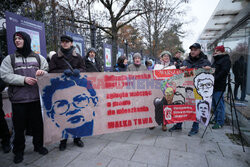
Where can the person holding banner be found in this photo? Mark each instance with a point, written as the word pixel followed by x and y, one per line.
pixel 165 61
pixel 196 59
pixel 19 70
pixel 136 66
pixel 91 61
pixel 69 62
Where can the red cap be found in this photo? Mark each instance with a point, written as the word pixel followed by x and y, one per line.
pixel 220 48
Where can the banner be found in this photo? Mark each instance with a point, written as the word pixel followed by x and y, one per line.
pixel 35 29
pixel 120 53
pixel 78 42
pixel 178 113
pixel 188 96
pixel 99 103
pixel 107 52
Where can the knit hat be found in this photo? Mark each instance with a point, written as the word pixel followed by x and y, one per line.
pixel 220 48
pixel 136 55
pixel 166 53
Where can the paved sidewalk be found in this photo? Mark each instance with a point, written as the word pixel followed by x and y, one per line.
pixel 142 148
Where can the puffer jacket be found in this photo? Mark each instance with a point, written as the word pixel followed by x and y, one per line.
pixel 199 62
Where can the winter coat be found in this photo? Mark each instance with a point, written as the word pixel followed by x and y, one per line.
pixel 120 68
pixel 58 65
pixel 240 70
pixel 19 92
pixel 133 67
pixel 178 62
pixel 92 67
pixel 199 62
pixel 159 110
pixel 222 65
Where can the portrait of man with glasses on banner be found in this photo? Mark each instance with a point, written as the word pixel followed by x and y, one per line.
pixel 204 84
pixel 70 103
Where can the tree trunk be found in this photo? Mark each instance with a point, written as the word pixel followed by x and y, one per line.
pixel 114 45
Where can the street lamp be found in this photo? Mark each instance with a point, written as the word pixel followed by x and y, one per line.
pixel 93 35
pixel 126 47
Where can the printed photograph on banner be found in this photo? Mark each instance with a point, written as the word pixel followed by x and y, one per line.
pixel 35 39
pixel 203 109
pixel 204 85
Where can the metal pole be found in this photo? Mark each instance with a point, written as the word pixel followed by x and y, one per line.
pixel 126 47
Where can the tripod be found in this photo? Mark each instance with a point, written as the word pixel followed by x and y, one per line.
pixel 232 106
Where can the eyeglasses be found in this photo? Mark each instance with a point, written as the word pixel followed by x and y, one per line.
pixel 203 85
pixel 80 101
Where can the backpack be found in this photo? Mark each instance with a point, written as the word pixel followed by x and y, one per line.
pixel 13 57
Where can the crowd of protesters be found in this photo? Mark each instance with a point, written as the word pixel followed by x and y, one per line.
pixel 20 69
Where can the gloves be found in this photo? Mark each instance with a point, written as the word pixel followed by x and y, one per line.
pixel 68 72
pixel 76 72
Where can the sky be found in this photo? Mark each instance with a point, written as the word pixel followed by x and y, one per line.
pixel 200 12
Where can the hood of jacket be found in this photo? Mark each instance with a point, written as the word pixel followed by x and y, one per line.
pixel 26 50
pixel 89 50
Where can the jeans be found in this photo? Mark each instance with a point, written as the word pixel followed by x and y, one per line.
pixel 219 113
pixel 242 85
pixel 195 126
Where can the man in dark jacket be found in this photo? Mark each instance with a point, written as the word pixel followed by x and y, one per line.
pixel 240 78
pixel 92 62
pixel 222 65
pixel 70 63
pixel 196 59
pixel 19 70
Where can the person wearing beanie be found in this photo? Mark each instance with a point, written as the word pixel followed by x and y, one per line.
pixel 136 66
pixel 122 64
pixel 67 61
pixel 165 61
pixel 196 59
pixel 222 65
pixel 19 71
pixel 92 62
